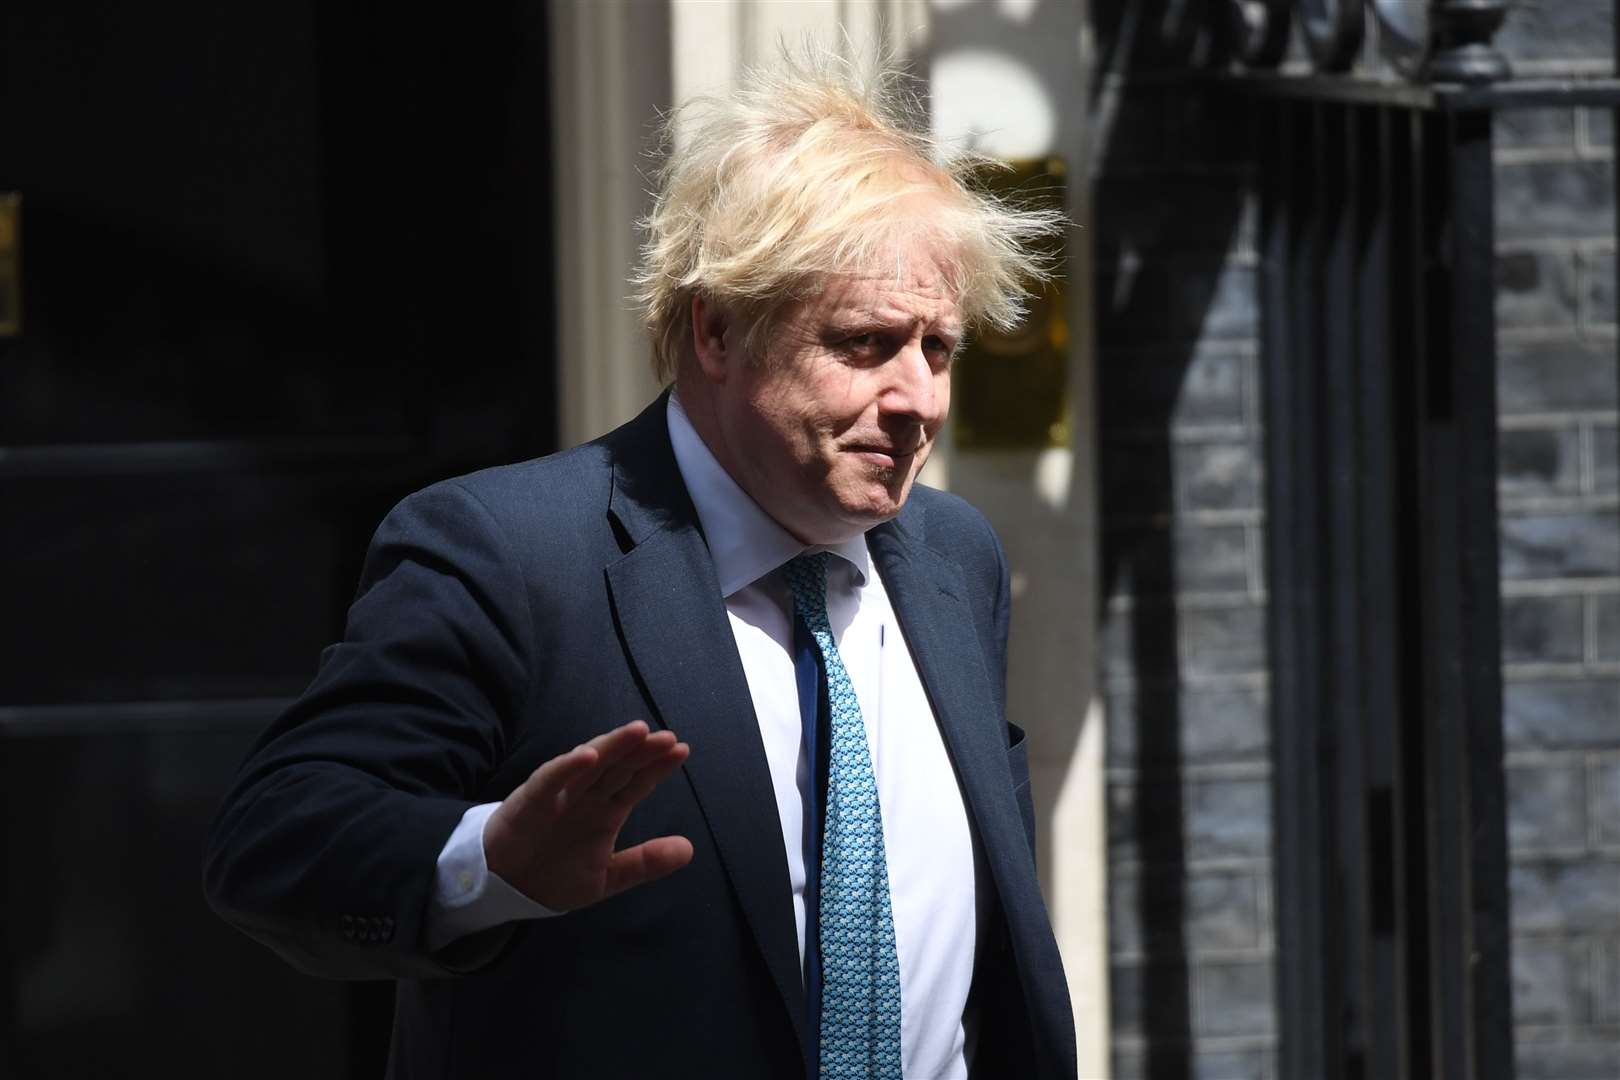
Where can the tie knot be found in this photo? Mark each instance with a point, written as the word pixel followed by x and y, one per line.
pixel 807 577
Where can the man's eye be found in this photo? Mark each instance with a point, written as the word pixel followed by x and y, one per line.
pixel 866 348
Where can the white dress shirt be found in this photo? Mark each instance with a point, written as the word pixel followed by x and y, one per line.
pixel 935 882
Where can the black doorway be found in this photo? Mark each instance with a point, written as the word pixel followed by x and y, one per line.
pixel 282 264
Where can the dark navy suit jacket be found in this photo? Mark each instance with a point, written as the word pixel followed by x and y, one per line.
pixel 504 617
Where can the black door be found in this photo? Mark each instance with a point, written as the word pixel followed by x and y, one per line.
pixel 282 263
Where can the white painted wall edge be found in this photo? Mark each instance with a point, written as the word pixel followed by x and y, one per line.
pixel 610 74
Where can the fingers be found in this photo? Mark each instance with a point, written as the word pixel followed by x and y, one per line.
pixel 615 776
pixel 581 765
pixel 601 769
pixel 540 790
pixel 620 738
pixel 647 861
pixel 640 785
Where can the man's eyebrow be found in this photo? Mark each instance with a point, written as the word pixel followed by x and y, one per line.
pixel 853 317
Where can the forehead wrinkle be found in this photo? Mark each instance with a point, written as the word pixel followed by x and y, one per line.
pixel 915 295
pixel 940 310
pixel 850 318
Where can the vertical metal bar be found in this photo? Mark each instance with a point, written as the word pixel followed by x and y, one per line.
pixel 1276 245
pixel 1411 333
pixel 1468 922
pixel 1339 751
pixel 1380 286
pixel 1437 463
pixel 1287 208
pixel 1310 720
pixel 1473 284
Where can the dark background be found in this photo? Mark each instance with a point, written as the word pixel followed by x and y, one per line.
pixel 283 263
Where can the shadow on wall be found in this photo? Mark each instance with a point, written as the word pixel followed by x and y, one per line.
pixel 1172 318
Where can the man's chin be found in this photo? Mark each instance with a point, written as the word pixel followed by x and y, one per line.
pixel 880 504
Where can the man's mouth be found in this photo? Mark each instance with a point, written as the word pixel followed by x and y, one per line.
pixel 883 457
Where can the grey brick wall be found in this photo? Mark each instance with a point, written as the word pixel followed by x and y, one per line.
pixel 1183 657
pixel 1183 649
pixel 1561 551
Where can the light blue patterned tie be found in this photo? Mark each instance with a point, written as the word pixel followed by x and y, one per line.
pixel 860 973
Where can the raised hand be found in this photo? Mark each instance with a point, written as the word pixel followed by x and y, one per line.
pixel 553 837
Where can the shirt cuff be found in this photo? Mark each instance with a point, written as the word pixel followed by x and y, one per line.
pixel 467 895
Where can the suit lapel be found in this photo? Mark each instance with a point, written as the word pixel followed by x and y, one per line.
pixel 929 597
pixel 666 600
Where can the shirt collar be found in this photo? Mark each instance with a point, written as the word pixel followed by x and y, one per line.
pixel 744 541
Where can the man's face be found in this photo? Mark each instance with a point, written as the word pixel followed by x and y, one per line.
pixel 829 430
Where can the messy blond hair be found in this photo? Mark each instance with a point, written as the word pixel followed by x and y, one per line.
pixel 812 168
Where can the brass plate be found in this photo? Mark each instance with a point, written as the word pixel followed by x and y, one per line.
pixel 1010 390
pixel 10 264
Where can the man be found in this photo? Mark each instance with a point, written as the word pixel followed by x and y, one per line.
pixel 683 753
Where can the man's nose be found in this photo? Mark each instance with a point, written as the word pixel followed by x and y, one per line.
pixel 913 389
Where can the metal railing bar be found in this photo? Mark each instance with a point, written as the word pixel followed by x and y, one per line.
pixel 1339 760
pixel 1536 93
pixel 1409 329
pixel 1461 639
pixel 1314 801
pixel 1281 219
pixel 1441 631
pixel 1342 89
pixel 1527 94
pixel 1378 287
pixel 1474 372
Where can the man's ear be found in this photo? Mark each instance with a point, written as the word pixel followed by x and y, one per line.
pixel 710 324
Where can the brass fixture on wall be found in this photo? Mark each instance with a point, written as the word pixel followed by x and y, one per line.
pixel 10 264
pixel 1010 390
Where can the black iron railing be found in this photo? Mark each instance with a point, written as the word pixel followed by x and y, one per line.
pixel 1436 40
pixel 1379 357
pixel 1374 161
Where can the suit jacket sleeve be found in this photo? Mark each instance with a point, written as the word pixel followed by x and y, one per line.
pixel 325 848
